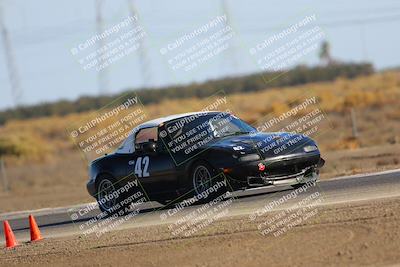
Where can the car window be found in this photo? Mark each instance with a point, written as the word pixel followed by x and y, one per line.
pixel 228 124
pixel 201 122
pixel 127 146
pixel 144 135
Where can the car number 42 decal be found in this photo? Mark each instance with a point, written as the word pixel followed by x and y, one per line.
pixel 141 166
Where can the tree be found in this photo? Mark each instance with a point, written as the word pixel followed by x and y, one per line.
pixel 325 53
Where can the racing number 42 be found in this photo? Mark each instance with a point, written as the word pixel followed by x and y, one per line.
pixel 141 166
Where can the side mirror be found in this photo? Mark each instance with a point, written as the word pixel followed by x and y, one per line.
pixel 147 147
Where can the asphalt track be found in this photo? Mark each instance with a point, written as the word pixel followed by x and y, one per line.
pixel 58 222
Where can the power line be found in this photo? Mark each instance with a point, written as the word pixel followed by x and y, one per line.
pixel 50 34
pixel 342 23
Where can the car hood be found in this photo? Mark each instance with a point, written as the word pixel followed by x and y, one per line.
pixel 265 144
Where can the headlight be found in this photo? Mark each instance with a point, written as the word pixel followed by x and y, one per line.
pixel 310 148
pixel 250 157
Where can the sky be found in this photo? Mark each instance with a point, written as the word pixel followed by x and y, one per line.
pixel 43 33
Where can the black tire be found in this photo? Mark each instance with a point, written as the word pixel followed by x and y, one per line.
pixel 202 178
pixel 106 186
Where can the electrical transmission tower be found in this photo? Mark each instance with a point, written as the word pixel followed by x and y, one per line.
pixel 102 75
pixel 16 90
pixel 144 65
pixel 230 58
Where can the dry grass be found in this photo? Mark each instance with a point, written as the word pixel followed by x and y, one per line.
pixel 375 99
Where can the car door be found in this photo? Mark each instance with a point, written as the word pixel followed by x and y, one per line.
pixel 154 169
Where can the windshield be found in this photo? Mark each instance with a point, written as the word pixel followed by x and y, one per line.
pixel 229 125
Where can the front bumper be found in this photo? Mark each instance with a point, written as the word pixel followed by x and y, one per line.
pixel 288 170
pixel 307 175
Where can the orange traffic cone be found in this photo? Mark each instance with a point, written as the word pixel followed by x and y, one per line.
pixel 10 237
pixel 35 233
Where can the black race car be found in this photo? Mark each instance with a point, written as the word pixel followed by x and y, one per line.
pixel 185 155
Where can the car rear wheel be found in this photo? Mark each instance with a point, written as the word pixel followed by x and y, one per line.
pixel 108 197
pixel 105 189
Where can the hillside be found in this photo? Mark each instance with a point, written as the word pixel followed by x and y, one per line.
pixel 248 83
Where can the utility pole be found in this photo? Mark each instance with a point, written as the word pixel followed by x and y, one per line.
pixel 16 90
pixel 6 188
pixel 354 123
pixel 143 56
pixel 102 75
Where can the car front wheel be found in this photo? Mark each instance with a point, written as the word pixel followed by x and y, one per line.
pixel 206 183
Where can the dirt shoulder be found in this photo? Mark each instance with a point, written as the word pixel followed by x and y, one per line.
pixel 361 233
